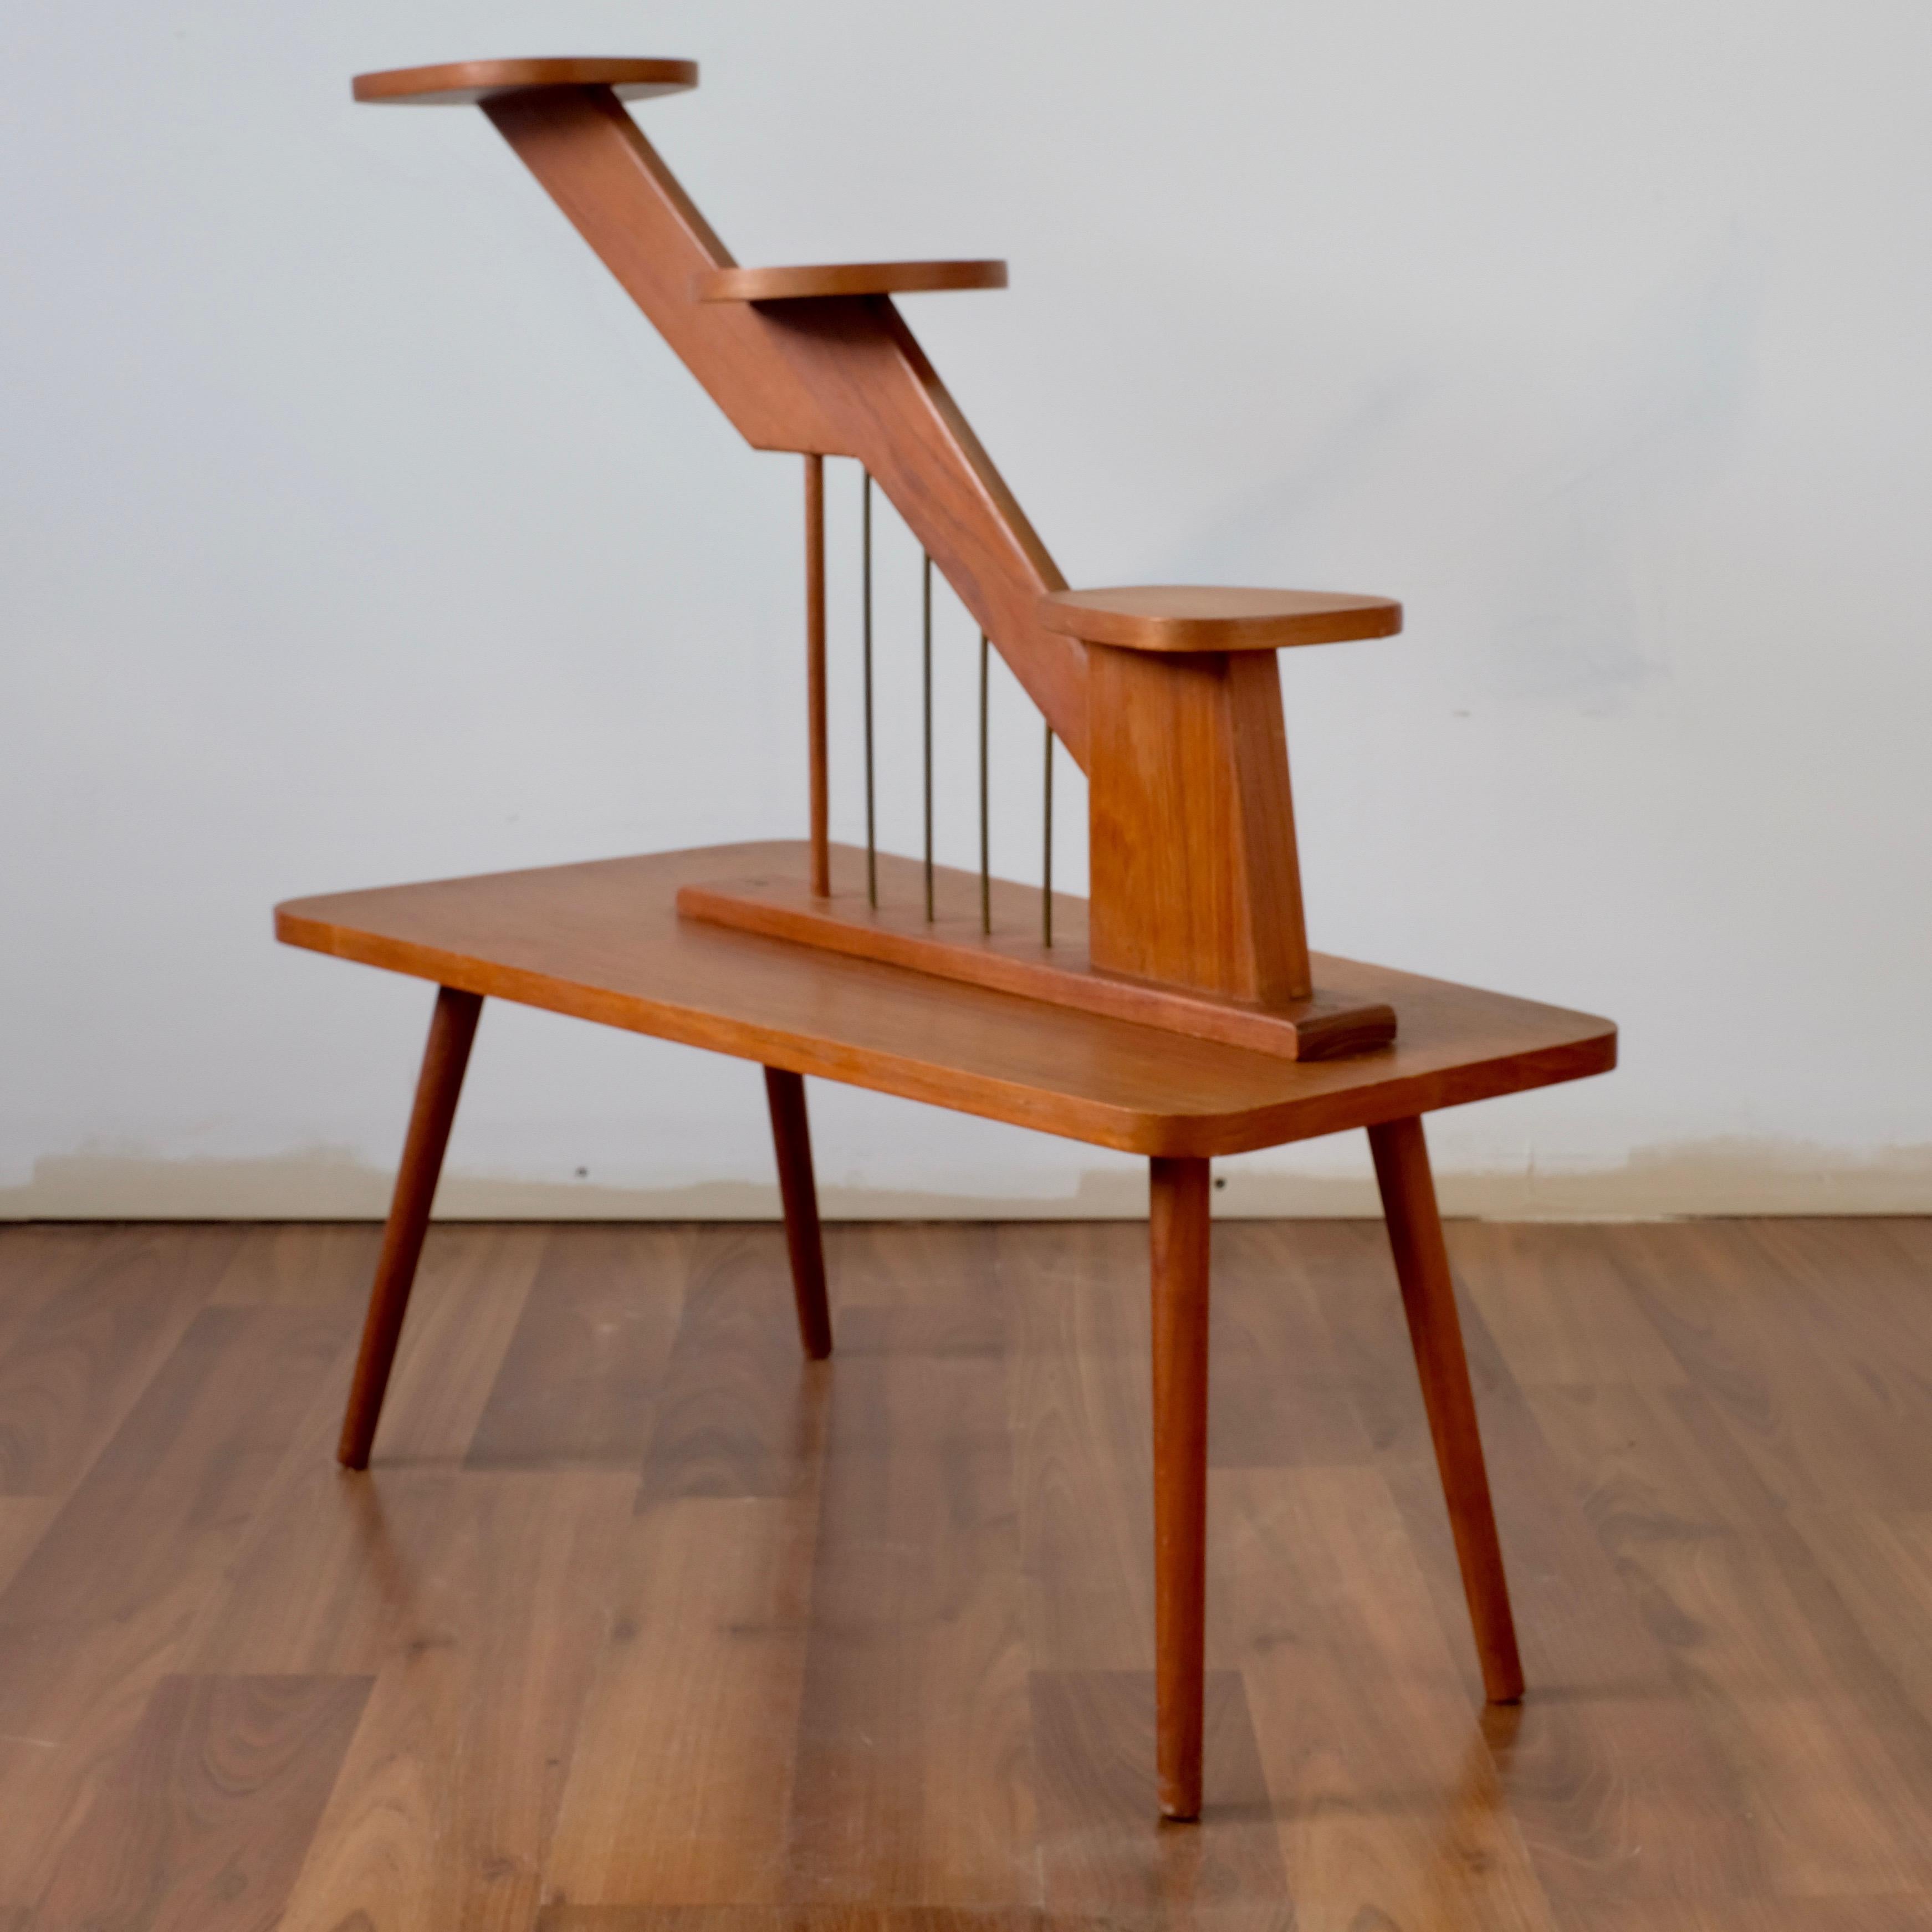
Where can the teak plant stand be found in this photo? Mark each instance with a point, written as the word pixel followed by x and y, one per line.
pixel 1179 1015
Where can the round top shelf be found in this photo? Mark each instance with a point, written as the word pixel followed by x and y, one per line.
pixel 467 83
pixel 846 278
pixel 1189 617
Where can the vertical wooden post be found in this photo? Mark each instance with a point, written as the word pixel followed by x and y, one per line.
pixel 791 1137
pixel 1429 1301
pixel 1191 824
pixel 814 671
pixel 452 1029
pixel 1177 1228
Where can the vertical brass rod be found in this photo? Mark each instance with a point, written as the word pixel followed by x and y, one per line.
pixel 814 671
pixel 986 828
pixel 872 833
pixel 1046 869
pixel 927 693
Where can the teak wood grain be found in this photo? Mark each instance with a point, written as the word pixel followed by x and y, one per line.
pixel 817 281
pixel 603 941
pixel 1177 1236
pixel 452 1033
pixel 1195 878
pixel 1013 957
pixel 791 1140
pixel 1199 617
pixel 1401 1156
pixel 469 83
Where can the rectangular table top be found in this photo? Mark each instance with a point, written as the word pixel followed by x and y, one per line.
pixel 603 941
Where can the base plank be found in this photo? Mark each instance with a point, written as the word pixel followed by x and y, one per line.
pixel 1014 957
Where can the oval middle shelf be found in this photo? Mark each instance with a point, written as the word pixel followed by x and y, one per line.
pixel 845 278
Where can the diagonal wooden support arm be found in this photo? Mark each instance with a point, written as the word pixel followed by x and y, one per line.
pixel 1165 696
pixel 841 377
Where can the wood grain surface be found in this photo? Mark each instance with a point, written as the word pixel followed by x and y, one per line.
pixel 1179 1193
pixel 1401 1156
pixel 818 281
pixel 658 1628
pixel 602 941
pixel 1013 957
pixel 1216 617
pixel 466 83
pixel 452 1032
pixel 1195 878
pixel 791 1142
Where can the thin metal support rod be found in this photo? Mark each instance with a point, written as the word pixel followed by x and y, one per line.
pixel 1046 866
pixel 814 671
pixel 871 830
pixel 985 825
pixel 926 693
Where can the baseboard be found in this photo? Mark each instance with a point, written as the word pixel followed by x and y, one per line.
pixel 1715 1177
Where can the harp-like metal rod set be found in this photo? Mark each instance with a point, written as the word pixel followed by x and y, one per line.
pixel 814 583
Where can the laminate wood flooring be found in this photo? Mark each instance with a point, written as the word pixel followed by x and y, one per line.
pixel 641 1623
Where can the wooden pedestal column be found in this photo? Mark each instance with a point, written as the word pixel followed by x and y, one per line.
pixel 1191 825
pixel 1191 830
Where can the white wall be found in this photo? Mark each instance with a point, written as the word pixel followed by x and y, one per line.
pixel 356 529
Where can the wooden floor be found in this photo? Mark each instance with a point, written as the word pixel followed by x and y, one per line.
pixel 639 1621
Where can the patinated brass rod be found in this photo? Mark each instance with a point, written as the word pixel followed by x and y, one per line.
pixel 866 608
pixel 986 827
pixel 926 692
pixel 1046 867
pixel 814 671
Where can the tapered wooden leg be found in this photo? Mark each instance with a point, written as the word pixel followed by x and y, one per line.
pixel 1177 1236
pixel 791 1135
pixel 1428 1300
pixel 452 1028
